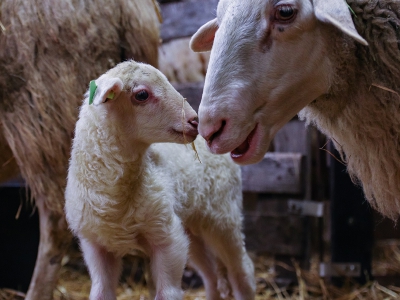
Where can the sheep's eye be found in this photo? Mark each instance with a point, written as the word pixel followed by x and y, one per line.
pixel 285 13
pixel 142 95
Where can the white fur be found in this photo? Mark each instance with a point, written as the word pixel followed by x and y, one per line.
pixel 133 185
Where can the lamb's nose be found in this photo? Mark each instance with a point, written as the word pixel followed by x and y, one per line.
pixel 212 131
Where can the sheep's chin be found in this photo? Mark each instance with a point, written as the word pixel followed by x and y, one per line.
pixel 250 150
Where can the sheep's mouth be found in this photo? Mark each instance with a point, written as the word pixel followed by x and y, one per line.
pixel 243 149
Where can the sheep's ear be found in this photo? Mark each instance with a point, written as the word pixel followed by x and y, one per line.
pixel 337 13
pixel 105 88
pixel 203 39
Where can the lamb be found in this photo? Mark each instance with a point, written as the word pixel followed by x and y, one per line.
pixel 271 60
pixel 133 185
pixel 48 51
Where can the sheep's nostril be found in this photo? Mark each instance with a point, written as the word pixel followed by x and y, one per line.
pixel 214 135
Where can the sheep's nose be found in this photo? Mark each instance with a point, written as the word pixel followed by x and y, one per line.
pixel 212 131
pixel 194 122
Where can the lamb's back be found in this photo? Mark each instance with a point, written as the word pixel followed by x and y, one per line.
pixel 203 189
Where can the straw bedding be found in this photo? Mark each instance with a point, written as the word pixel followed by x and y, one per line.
pixel 74 282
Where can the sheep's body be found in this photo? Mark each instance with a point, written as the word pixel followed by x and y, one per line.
pixel 180 64
pixel 48 52
pixel 120 200
pixel 310 59
pixel 359 115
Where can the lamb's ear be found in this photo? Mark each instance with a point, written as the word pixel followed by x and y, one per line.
pixel 337 13
pixel 203 39
pixel 107 88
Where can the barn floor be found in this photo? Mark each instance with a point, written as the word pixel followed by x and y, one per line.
pixel 74 283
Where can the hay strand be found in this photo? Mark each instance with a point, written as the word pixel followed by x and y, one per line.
pixel 385 88
pixel 3 29
pixel 184 136
pixel 331 154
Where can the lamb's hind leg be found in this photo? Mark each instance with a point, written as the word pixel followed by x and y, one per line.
pixel 228 245
pixel 205 264
pixel 55 239
pixel 104 268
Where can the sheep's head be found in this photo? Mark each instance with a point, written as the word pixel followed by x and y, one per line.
pixel 269 59
pixel 137 101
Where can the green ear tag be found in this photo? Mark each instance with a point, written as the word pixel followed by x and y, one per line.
pixel 111 95
pixel 92 90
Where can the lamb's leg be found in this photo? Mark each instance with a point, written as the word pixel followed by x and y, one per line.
pixel 205 264
pixel 168 258
pixel 229 247
pixel 55 239
pixel 104 269
pixel 149 280
pixel 223 283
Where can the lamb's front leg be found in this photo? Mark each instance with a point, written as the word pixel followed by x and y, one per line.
pixel 104 268
pixel 168 258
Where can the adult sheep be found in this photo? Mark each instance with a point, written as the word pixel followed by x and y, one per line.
pixel 273 59
pixel 49 50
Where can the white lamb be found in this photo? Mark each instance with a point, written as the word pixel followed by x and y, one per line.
pixel 126 193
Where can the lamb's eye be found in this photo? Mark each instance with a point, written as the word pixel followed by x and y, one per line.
pixel 142 95
pixel 285 13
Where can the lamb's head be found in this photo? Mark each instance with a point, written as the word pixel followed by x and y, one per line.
pixel 137 101
pixel 269 59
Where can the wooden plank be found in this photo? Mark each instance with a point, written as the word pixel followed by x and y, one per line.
pixel 266 205
pixel 274 235
pixel 182 19
pixel 293 137
pixel 265 211
pixel 280 173
pixel 15 182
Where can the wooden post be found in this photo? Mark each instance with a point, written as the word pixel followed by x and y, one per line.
pixel 183 18
pixel 19 237
pixel 351 222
